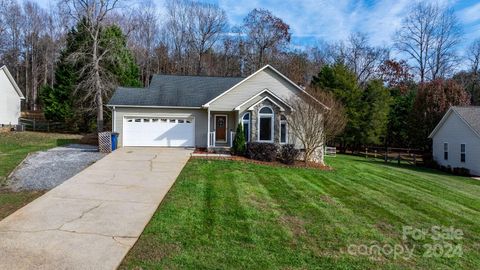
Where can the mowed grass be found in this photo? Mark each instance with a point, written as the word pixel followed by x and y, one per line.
pixel 233 215
pixel 14 147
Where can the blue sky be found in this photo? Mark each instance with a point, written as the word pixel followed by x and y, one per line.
pixel 313 21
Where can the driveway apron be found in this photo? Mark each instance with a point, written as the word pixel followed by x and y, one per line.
pixel 93 219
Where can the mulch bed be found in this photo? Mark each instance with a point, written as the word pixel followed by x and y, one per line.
pixel 297 164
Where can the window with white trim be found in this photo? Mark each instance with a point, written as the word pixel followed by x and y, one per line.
pixel 445 151
pixel 246 126
pixel 283 129
pixel 462 152
pixel 265 124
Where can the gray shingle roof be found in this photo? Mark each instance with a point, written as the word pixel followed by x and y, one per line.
pixel 471 115
pixel 174 90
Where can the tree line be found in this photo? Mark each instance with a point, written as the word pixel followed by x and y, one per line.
pixel 69 57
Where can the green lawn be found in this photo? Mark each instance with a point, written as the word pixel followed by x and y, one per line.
pixel 14 147
pixel 226 214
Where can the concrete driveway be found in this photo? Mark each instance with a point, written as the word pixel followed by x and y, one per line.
pixel 93 219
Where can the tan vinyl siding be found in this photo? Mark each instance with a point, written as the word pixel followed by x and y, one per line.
pixel 266 79
pixel 200 116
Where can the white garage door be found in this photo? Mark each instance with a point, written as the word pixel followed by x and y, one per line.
pixel 158 131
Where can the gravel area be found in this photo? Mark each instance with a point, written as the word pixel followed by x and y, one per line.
pixel 47 169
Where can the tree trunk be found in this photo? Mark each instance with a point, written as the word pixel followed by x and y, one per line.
pixel 99 112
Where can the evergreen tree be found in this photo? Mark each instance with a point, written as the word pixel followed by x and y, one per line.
pixel 343 83
pixel 63 102
pixel 239 146
pixel 376 105
pixel 398 118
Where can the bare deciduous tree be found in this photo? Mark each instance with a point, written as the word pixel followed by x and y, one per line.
pixel 446 39
pixel 364 60
pixel 208 21
pixel 429 35
pixel 265 33
pixel 144 37
pixel 316 118
pixel 96 81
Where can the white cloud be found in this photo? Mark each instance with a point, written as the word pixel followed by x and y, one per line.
pixel 331 20
pixel 470 14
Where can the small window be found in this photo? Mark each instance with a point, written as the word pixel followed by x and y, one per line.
pixel 138 120
pixel 172 120
pixel 445 151
pixel 246 126
pixel 283 129
pixel 163 120
pixel 188 121
pixel 130 120
pixel 146 120
pixel 181 121
pixel 154 120
pixel 462 152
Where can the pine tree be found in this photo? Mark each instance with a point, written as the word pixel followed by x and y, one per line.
pixel 239 146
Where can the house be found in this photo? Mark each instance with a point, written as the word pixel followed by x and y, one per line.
pixel 10 98
pixel 456 139
pixel 203 112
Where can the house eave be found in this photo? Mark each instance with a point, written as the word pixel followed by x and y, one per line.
pixel 153 106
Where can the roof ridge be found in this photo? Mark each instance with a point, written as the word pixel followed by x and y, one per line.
pixel 199 76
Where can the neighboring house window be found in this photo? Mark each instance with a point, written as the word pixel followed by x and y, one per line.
pixel 265 125
pixel 283 129
pixel 445 151
pixel 462 152
pixel 246 126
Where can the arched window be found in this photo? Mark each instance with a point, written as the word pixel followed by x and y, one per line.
pixel 266 110
pixel 265 124
pixel 246 125
pixel 283 129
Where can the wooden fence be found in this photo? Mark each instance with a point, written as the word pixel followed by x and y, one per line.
pixel 390 154
pixel 41 125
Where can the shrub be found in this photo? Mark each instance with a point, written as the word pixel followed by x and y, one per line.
pixel 461 171
pixel 238 147
pixel 262 151
pixel 289 154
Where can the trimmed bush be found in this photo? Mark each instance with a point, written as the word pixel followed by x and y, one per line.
pixel 239 146
pixel 289 154
pixel 262 151
pixel 461 171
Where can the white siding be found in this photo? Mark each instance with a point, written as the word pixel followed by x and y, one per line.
pixel 265 79
pixel 200 116
pixel 9 101
pixel 455 132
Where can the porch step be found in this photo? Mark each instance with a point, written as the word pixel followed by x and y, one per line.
pixel 219 150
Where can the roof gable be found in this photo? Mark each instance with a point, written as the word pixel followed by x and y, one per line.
pixel 283 77
pixel 12 81
pixel 469 115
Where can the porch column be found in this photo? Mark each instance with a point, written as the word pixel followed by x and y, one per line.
pixel 208 127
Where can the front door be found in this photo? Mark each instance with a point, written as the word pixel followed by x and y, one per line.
pixel 221 128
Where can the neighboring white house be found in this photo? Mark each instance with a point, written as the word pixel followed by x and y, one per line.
pixel 456 139
pixel 10 98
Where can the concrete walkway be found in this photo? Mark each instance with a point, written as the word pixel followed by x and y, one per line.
pixel 93 219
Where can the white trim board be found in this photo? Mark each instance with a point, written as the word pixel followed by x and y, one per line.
pixel 269 99
pixel 262 92
pixel 12 81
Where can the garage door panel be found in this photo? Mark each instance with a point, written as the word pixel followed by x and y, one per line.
pixel 159 132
